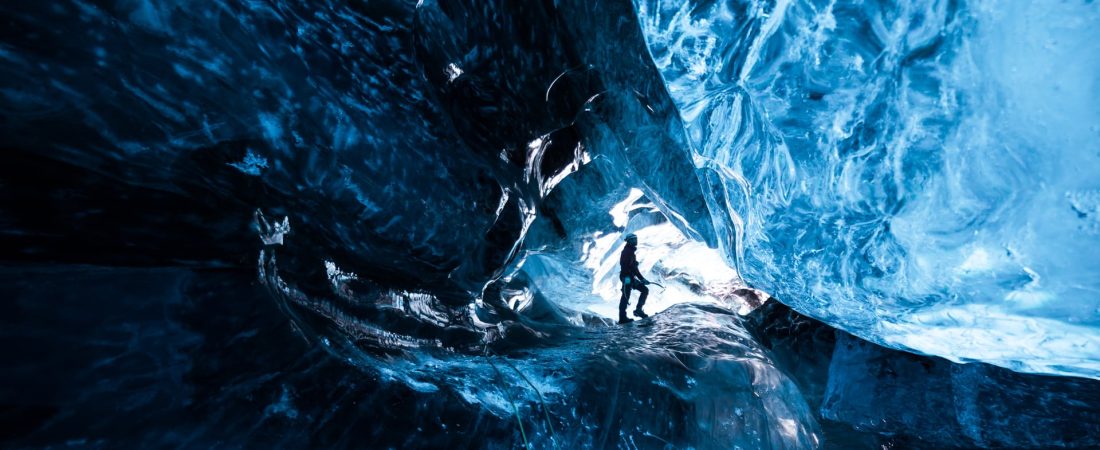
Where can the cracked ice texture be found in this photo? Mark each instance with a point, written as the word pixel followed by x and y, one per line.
pixel 920 173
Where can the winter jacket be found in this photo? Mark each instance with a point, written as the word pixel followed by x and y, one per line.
pixel 628 263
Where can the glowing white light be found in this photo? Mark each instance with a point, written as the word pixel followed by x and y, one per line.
pixel 619 212
pixel 453 71
pixel 585 277
pixel 689 270
pixel 978 260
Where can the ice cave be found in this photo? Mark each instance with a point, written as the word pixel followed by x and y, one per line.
pixel 855 224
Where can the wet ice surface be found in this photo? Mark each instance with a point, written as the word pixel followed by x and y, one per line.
pixel 150 358
pixel 169 357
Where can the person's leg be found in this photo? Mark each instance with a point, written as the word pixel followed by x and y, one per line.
pixel 624 301
pixel 645 293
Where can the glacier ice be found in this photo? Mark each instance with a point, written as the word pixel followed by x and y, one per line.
pixel 439 189
pixel 916 401
pixel 919 173
pixel 169 353
pixel 974 404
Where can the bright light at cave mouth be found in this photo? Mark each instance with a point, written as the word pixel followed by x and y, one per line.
pixel 688 270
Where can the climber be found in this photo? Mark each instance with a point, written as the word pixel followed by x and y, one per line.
pixel 632 279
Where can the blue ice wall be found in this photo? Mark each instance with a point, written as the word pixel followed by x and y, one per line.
pixel 923 174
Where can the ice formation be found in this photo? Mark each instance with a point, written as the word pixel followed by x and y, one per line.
pixel 921 174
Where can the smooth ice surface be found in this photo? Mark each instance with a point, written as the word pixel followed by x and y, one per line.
pixel 923 174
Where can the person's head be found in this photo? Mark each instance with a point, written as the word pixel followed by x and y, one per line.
pixel 631 239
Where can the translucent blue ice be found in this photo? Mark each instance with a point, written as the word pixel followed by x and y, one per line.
pixel 924 174
pixel 252 164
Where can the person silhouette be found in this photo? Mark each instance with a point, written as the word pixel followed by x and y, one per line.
pixel 632 280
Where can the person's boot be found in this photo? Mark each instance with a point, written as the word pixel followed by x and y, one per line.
pixel 623 319
pixel 640 314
